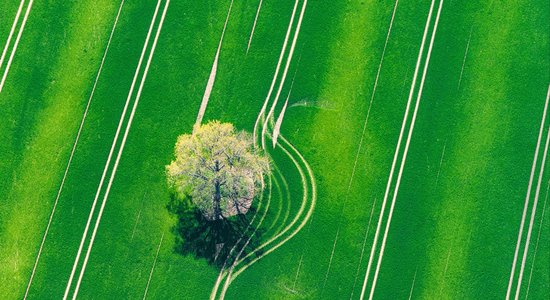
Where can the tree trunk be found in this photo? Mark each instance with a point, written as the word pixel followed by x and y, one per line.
pixel 217 199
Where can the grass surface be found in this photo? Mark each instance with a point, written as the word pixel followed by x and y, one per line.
pixel 454 227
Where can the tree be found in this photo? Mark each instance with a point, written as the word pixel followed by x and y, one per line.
pixel 219 169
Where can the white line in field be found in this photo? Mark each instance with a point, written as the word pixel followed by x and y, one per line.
pixel 310 210
pixel 223 272
pixel 153 268
pixel 447 260
pixel 361 140
pixel 528 196
pixel 254 26
pixel 12 31
pixel 302 224
pixel 533 214
pixel 412 285
pixel 441 162
pixel 363 250
pixel 277 128
pixel 14 49
pixel 331 257
pixel 121 149
pixel 373 93
pixel 302 206
pixel 397 148
pixel 92 210
pixel 212 77
pixel 135 225
pixel 137 218
pixel 464 60
pixel 279 122
pixel 298 270
pixel 538 239
pixel 285 72
pixel 73 150
pixel 283 49
pixel 228 279
pixel 407 144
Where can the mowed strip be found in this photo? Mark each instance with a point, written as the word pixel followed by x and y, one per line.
pixel 361 140
pixel 75 144
pixel 42 113
pixel 372 256
pixel 120 149
pixel 467 161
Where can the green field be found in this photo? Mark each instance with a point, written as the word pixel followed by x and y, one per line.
pixel 410 162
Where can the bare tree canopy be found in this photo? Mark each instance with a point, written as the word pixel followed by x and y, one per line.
pixel 219 169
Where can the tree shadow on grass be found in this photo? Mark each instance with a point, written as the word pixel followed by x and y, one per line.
pixel 213 240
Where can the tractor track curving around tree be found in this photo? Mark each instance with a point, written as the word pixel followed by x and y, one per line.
pixel 282 202
pixel 310 210
pixel 304 213
pixel 285 72
pixel 223 271
pixel 230 271
pixel 279 239
pixel 261 115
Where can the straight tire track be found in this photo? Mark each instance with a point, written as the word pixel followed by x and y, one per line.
pixel 121 121
pixel 254 26
pixel 113 172
pixel 277 69
pixel 73 150
pixel 411 129
pixel 533 212
pixel 413 84
pixel 537 244
pixel 12 31
pixel 527 197
pixel 285 72
pixel 14 49
pixel 153 268
pixel 363 134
